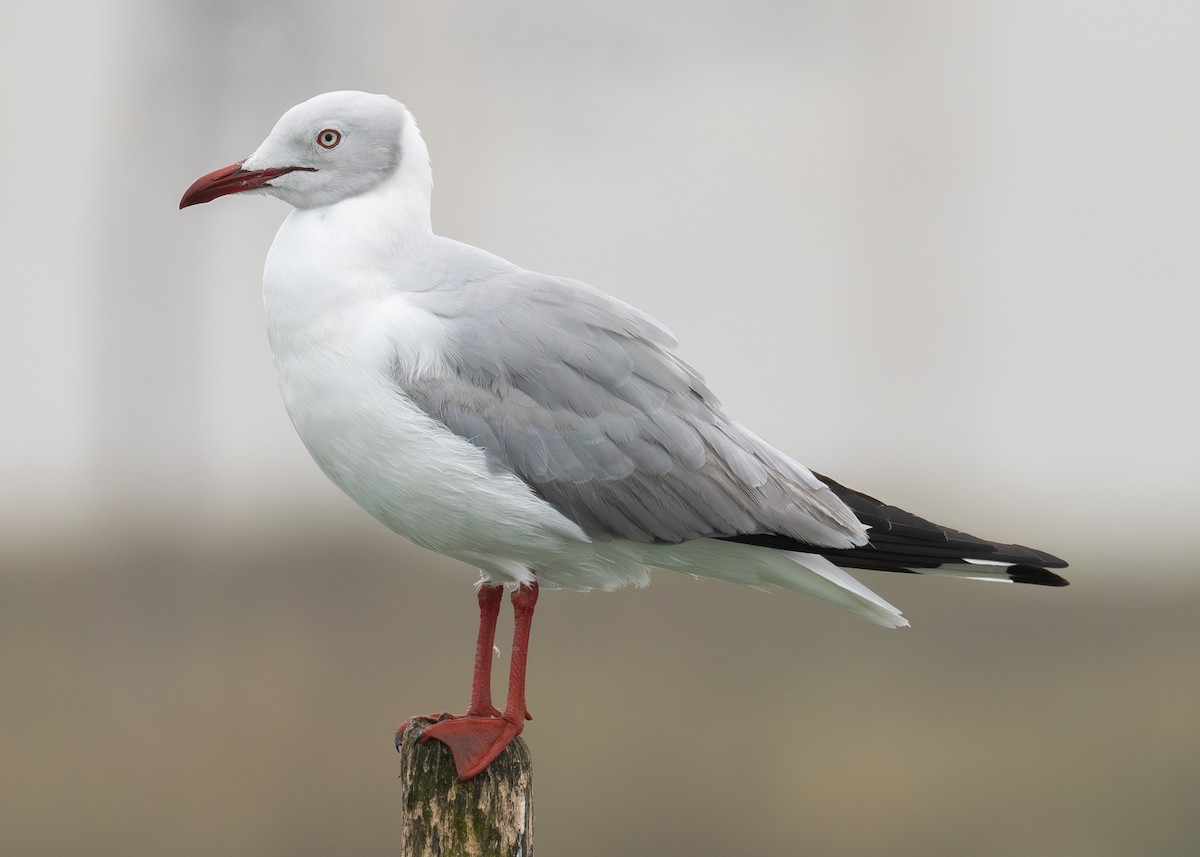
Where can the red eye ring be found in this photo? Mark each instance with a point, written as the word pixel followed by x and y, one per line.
pixel 329 138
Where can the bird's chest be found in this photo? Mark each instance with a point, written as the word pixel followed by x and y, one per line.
pixel 395 461
pixel 338 355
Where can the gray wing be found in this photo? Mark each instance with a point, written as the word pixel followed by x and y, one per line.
pixel 578 394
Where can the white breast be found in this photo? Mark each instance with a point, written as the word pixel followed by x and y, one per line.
pixel 341 334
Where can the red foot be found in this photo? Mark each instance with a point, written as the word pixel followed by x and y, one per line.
pixel 475 741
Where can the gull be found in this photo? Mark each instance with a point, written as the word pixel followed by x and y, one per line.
pixel 531 425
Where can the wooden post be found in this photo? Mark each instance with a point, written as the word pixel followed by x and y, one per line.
pixel 488 816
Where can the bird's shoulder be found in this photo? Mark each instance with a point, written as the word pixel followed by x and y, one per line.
pixel 459 281
pixel 498 319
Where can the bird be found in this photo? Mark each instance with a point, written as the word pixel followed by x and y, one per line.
pixel 531 425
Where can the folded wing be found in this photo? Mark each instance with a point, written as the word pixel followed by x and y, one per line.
pixel 579 395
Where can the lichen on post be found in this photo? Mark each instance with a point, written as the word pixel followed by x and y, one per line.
pixel 488 816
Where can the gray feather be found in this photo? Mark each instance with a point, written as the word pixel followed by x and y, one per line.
pixel 578 394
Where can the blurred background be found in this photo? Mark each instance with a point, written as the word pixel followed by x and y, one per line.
pixel 944 252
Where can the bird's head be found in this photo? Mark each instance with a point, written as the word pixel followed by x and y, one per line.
pixel 327 149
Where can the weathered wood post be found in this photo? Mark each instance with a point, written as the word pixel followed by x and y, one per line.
pixel 489 816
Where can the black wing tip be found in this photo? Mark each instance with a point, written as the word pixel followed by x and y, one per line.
pixel 1036 575
pixel 1040 559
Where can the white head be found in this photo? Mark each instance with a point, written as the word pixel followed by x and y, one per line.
pixel 330 148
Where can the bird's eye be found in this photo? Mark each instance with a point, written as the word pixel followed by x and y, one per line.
pixel 329 138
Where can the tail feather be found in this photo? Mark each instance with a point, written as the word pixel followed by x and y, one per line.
pixel 754 566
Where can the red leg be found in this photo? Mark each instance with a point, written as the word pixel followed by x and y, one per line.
pixel 524 599
pixel 490 596
pixel 474 740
